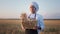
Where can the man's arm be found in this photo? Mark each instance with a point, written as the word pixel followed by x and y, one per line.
pixel 40 23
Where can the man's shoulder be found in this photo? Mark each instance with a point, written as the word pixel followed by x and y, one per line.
pixel 39 15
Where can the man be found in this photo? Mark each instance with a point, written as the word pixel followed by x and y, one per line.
pixel 40 22
pixel 40 25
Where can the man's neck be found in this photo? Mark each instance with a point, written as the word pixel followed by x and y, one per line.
pixel 33 13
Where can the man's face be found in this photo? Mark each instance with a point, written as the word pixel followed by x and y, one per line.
pixel 32 9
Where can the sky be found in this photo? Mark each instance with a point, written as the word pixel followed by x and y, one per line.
pixel 49 9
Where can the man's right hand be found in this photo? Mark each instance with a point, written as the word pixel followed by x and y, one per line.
pixel 23 29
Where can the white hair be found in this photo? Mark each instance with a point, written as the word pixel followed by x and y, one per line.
pixel 35 5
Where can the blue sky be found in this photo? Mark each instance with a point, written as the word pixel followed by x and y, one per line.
pixel 50 9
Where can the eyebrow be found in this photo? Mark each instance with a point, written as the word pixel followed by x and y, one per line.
pixel 32 6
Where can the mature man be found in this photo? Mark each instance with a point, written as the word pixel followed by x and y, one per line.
pixel 33 15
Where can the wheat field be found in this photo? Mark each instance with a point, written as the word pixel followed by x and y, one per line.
pixel 12 26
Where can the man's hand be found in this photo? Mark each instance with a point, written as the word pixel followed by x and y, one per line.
pixel 39 28
pixel 23 29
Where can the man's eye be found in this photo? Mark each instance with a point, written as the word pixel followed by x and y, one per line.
pixel 32 7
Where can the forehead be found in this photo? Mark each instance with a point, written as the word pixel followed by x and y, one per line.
pixel 32 6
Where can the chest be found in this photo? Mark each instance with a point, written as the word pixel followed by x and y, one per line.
pixel 33 16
